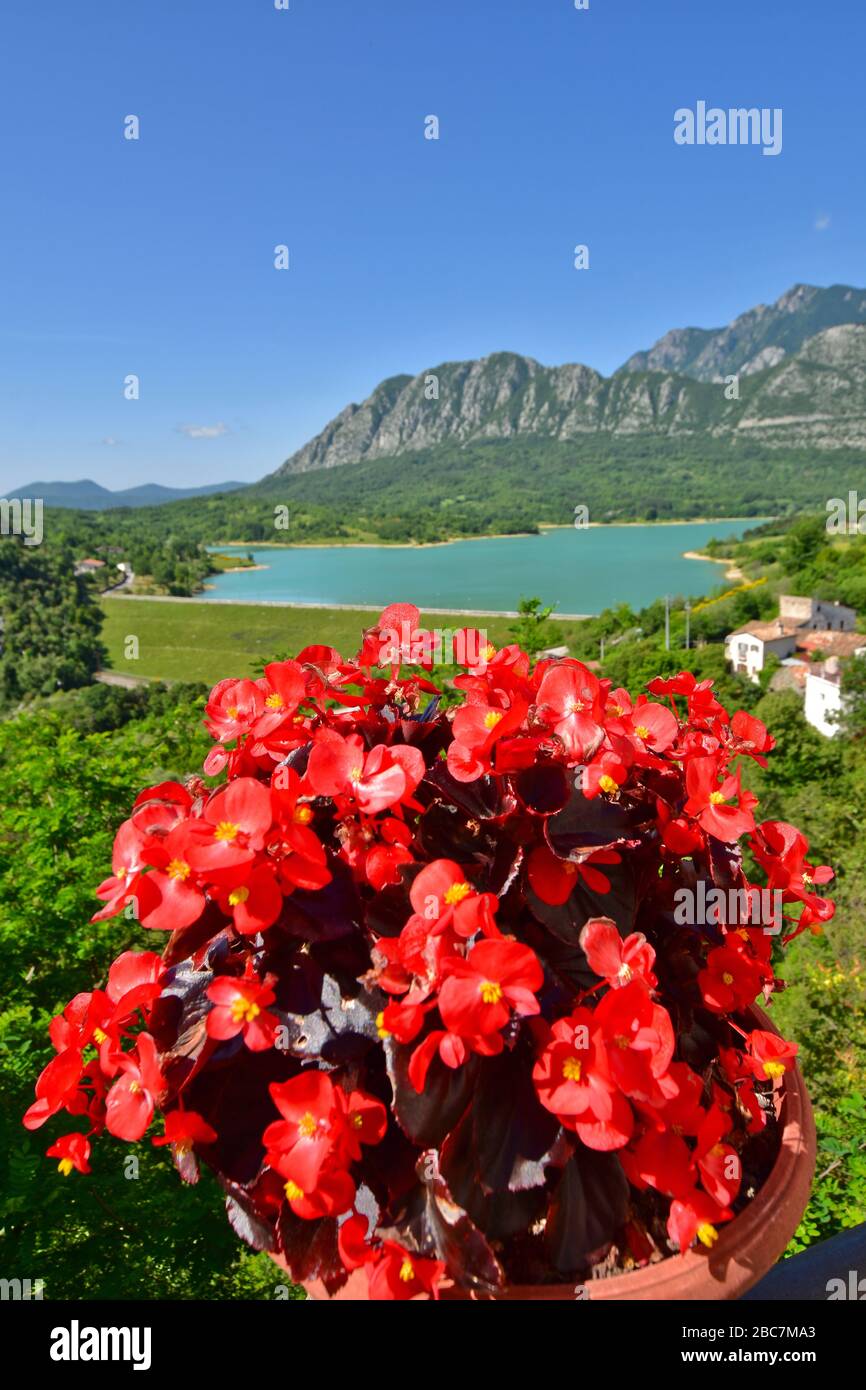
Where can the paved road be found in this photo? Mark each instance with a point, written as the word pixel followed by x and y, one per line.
pixel 347 607
pixel 116 678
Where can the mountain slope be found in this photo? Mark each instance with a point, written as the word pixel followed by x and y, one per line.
pixel 500 397
pixel 86 495
pixel 813 398
pixel 758 339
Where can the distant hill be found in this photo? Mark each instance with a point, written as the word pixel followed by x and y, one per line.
pixel 85 495
pixel 758 339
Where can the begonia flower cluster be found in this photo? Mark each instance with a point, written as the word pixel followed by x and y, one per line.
pixel 419 998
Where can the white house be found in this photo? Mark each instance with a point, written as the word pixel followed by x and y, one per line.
pixel 824 696
pixel 749 646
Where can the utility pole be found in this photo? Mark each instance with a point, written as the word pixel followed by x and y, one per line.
pixel 601 654
pixel 667 622
pixel 688 617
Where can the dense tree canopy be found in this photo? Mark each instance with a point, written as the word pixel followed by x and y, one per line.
pixel 50 623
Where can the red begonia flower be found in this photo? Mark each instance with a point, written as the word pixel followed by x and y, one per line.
pixel 616 960
pixel 572 1075
pixel 399 1274
pixel 183 1128
pixel 57 1083
pixel 553 879
pixel 708 800
pixel 695 1216
pixel 768 1056
pixel 73 1151
pixel 133 1097
pixel 255 901
pixel 442 895
pixel 375 781
pixel 479 993
pixel 639 1038
pixel 240 1006
pixel 232 828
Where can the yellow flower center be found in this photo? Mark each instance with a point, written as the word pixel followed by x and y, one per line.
pixel 490 991
pixel 489 652
pixel 727 978
pixel 380 1025
pixel 307 1125
pixel 226 830
pixel 178 868
pixel 302 815
pixel 716 799
pixel 456 893
pixel 808 882
pixel 707 1234
pixel 642 731
pixel 571 1068
pixel 232 711
pixel 357 1120
pixel 607 783
pixel 492 718
pixel 65 1166
pixel 99 1036
pixel 407 1271
pixel 274 701
pixel 356 774
pixel 238 896
pixel 244 1010
pixel 774 1069
pixel 293 1192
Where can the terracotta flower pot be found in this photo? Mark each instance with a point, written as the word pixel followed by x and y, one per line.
pixel 747 1246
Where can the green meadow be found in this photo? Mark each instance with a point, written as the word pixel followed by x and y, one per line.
pixel 190 641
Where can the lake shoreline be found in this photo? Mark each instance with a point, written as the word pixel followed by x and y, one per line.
pixel 543 526
pixel 733 571
pixel 242 569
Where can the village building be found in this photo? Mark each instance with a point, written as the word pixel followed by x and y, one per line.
pixel 749 646
pixel 816 613
pixel 791 675
pixel 821 645
pixel 810 625
pixel 824 701
pixel 88 566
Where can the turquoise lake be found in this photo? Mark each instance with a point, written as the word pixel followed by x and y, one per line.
pixel 581 571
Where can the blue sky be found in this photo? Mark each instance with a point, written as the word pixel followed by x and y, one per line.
pixel 306 127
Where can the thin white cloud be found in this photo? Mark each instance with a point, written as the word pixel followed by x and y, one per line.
pixel 204 431
pixel 822 222
pixel 110 441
